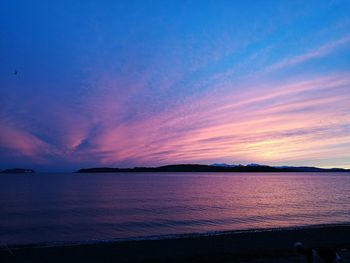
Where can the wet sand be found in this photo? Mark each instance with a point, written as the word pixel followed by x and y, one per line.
pixel 261 246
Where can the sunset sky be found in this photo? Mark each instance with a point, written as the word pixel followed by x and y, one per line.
pixel 145 83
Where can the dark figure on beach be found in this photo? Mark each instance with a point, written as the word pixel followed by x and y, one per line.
pixel 320 255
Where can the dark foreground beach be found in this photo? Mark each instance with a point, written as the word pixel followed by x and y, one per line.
pixel 244 246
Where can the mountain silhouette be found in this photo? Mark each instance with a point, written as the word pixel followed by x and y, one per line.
pixel 250 168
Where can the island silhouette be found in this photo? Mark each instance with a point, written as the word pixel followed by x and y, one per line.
pixel 252 168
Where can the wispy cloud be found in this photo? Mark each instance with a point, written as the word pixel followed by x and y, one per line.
pixel 276 123
pixel 287 124
pixel 318 52
pixel 15 142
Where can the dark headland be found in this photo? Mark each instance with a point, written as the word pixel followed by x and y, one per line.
pixel 251 168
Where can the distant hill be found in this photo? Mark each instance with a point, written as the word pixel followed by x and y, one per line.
pixel 255 168
pixel 17 171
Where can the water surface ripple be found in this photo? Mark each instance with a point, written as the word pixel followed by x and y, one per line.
pixel 79 207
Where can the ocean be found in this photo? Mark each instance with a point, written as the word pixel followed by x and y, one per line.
pixel 68 208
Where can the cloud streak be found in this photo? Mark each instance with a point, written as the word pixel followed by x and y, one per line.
pixel 315 53
pixel 294 120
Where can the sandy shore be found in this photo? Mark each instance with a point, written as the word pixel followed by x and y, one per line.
pixel 261 246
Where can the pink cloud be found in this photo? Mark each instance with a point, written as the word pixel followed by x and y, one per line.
pixel 244 127
pixel 17 142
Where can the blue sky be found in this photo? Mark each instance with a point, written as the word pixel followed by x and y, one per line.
pixel 124 83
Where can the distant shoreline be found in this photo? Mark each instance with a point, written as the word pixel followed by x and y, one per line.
pixel 233 246
pixel 192 168
pixel 212 168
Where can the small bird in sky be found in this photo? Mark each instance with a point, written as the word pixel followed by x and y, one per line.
pixel 15 73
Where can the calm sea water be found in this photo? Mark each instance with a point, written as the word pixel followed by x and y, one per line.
pixel 86 207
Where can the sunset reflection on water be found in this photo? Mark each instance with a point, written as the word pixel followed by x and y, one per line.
pixel 71 207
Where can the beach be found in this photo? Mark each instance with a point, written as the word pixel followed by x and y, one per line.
pixel 269 245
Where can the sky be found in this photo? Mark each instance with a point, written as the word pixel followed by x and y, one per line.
pixel 148 83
